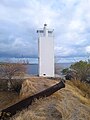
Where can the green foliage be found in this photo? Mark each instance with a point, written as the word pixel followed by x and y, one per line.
pixel 65 71
pixel 82 68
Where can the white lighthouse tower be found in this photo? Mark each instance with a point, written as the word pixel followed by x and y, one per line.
pixel 46 52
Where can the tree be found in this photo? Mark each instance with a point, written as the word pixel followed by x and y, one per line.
pixel 65 70
pixel 82 68
pixel 10 71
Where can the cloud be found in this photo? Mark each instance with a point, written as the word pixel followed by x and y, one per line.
pixel 88 49
pixel 19 20
pixel 67 51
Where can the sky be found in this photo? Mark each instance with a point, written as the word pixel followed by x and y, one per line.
pixel 20 19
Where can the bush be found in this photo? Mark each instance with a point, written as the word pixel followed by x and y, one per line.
pixel 17 87
pixel 83 70
pixel 10 71
pixel 65 71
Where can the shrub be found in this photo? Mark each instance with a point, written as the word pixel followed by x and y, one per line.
pixel 83 70
pixel 10 71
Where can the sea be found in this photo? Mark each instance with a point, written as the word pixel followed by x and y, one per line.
pixel 32 69
pixel 32 64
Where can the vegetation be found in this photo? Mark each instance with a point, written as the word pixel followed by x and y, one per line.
pixel 84 87
pixel 70 103
pixel 8 98
pixel 83 70
pixel 66 104
pixel 65 70
pixel 10 72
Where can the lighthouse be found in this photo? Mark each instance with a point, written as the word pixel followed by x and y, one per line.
pixel 46 52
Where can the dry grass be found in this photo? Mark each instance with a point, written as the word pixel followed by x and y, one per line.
pixel 29 87
pixel 69 103
pixel 84 87
pixel 34 85
pixel 65 104
pixel 43 109
pixel 80 90
pixel 7 99
pixel 67 107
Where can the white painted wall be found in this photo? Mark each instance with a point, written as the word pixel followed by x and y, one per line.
pixel 46 53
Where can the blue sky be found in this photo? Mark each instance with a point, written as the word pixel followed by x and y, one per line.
pixel 19 20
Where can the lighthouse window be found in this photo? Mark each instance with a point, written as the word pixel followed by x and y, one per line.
pixel 49 31
pixel 41 31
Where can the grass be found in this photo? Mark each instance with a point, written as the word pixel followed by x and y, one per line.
pixel 29 87
pixel 84 87
pixel 81 90
pixel 69 103
pixel 7 99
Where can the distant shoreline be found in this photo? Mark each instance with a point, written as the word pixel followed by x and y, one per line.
pixel 33 68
